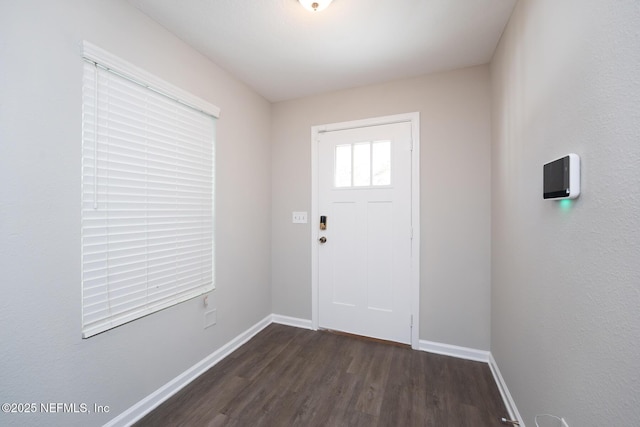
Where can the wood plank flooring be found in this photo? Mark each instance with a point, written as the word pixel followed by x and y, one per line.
pixel 288 376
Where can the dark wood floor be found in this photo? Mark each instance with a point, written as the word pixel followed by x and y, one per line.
pixel 287 376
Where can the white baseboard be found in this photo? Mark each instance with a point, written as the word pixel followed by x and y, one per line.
pixel 292 321
pixel 478 356
pixel 504 391
pixel 146 405
pixel 455 351
pixel 150 402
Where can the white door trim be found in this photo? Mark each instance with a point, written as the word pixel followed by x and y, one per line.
pixel 414 119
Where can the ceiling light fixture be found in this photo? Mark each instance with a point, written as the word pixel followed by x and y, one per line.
pixel 315 5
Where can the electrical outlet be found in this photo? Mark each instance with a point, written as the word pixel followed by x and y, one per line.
pixel 299 217
pixel 209 318
pixel 564 423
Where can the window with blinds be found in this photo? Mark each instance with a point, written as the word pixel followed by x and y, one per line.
pixel 147 193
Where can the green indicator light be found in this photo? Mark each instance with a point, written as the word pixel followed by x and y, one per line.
pixel 565 204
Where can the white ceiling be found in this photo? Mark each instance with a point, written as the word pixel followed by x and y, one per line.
pixel 283 51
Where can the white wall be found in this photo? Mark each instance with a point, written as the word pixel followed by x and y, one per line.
pixel 42 357
pixel 455 199
pixel 565 321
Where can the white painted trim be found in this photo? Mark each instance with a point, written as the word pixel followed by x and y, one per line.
pixel 292 321
pixel 504 391
pixel 414 119
pixel 415 228
pixel 315 215
pixel 455 351
pixel 149 403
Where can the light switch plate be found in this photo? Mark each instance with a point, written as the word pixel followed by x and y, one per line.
pixel 299 217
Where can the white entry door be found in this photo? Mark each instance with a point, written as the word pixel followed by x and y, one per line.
pixel 364 252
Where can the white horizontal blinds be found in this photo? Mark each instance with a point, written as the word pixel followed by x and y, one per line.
pixel 147 201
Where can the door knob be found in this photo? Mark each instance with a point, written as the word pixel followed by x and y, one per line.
pixel 322 239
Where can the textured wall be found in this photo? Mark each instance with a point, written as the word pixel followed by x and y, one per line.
pixel 42 357
pixel 565 323
pixel 455 195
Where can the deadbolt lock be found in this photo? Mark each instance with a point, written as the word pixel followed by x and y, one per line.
pixel 322 239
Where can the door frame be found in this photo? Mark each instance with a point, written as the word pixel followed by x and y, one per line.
pixel 414 119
